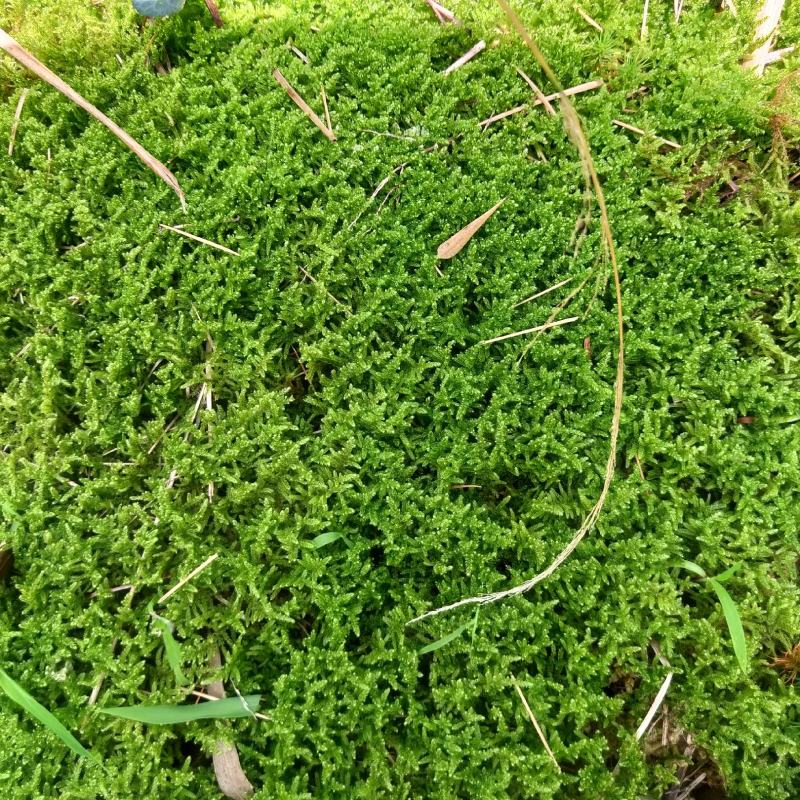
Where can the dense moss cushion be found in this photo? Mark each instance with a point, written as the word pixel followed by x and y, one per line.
pixel 349 392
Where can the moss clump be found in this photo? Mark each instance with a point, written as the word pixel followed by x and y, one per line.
pixel 360 414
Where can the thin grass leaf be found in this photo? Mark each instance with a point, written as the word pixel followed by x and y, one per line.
pixel 172 650
pixel 729 573
pixel 439 643
pixel 41 714
pixel 229 708
pixel 324 539
pixel 731 612
pixel 692 567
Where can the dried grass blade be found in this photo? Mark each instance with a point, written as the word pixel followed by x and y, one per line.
pixel 325 108
pixel 29 61
pixel 456 243
pixel 656 704
pixel 537 329
pixel 15 124
pixel 578 137
pixel 645 13
pixel 302 105
pixel 535 722
pixel 468 56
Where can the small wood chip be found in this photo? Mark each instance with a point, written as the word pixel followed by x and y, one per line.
pixel 586 18
pixel 468 56
pixel 650 715
pixel 303 106
pixel 181 583
pixel 29 61
pixel 634 129
pixel 456 243
pixel 535 722
pixel 554 324
pixel 15 124
pixel 540 96
pixel 200 239
pixel 581 87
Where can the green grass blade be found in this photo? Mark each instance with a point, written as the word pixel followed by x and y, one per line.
pixel 734 621
pixel 728 574
pixel 229 708
pixel 172 650
pixel 439 643
pixel 325 539
pixel 41 714
pixel 692 567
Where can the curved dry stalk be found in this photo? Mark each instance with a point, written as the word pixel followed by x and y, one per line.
pixel 578 137
pixel 29 61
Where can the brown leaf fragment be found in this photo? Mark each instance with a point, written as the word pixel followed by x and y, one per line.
pixel 456 243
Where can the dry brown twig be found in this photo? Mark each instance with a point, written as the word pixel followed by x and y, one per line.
pixel 458 241
pixel 29 61
pixel 302 105
pixel 468 56
pixel 214 11
pixel 538 93
pixel 578 137
pixel 228 770
pixel 444 15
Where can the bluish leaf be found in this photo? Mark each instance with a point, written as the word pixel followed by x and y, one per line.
pixel 158 8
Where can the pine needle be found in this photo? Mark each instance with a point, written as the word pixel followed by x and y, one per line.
pixel 581 87
pixel 537 329
pixel 181 583
pixel 29 61
pixel 586 18
pixel 641 132
pixel 302 105
pixel 533 719
pixel 456 243
pixel 542 293
pixel 200 239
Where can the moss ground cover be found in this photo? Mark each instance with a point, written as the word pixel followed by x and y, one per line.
pixel 347 392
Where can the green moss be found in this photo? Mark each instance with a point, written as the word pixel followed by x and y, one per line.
pixel 326 420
